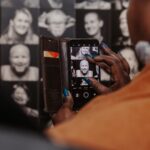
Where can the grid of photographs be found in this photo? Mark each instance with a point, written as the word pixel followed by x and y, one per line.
pixel 24 21
pixel 19 52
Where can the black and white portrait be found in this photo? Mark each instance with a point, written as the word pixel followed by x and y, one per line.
pixel 56 23
pixel 18 26
pixel 17 63
pixel 82 68
pixel 21 96
pixel 93 24
pixel 124 39
pixel 93 4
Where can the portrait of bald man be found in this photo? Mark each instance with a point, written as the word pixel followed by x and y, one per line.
pixel 19 68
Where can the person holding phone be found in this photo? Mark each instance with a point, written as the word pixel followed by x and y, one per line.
pixel 117 120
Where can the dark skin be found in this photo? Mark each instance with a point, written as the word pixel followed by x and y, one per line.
pixel 113 64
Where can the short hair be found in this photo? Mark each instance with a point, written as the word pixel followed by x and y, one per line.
pixel 95 13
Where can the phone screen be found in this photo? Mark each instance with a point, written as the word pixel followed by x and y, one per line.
pixel 79 68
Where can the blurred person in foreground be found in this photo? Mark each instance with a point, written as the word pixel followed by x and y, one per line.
pixel 119 120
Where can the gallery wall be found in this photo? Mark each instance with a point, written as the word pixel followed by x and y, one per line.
pixel 24 21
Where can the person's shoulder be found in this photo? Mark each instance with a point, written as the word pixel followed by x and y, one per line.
pixel 34 69
pixel 5 68
pixel 34 39
pixel 33 73
pixel 3 39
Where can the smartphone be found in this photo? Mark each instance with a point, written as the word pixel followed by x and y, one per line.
pixel 79 68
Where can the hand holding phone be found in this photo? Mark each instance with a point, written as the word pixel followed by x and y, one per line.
pixel 115 65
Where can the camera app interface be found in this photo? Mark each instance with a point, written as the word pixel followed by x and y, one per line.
pixel 81 68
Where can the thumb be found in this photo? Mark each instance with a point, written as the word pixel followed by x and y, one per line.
pixel 68 100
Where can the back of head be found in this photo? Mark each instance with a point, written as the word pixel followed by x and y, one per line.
pixel 138 20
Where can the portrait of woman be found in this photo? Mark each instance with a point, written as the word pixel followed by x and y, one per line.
pixel 19 29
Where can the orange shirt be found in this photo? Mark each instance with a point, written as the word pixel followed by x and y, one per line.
pixel 119 121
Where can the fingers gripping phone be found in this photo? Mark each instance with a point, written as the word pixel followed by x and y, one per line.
pixel 79 68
